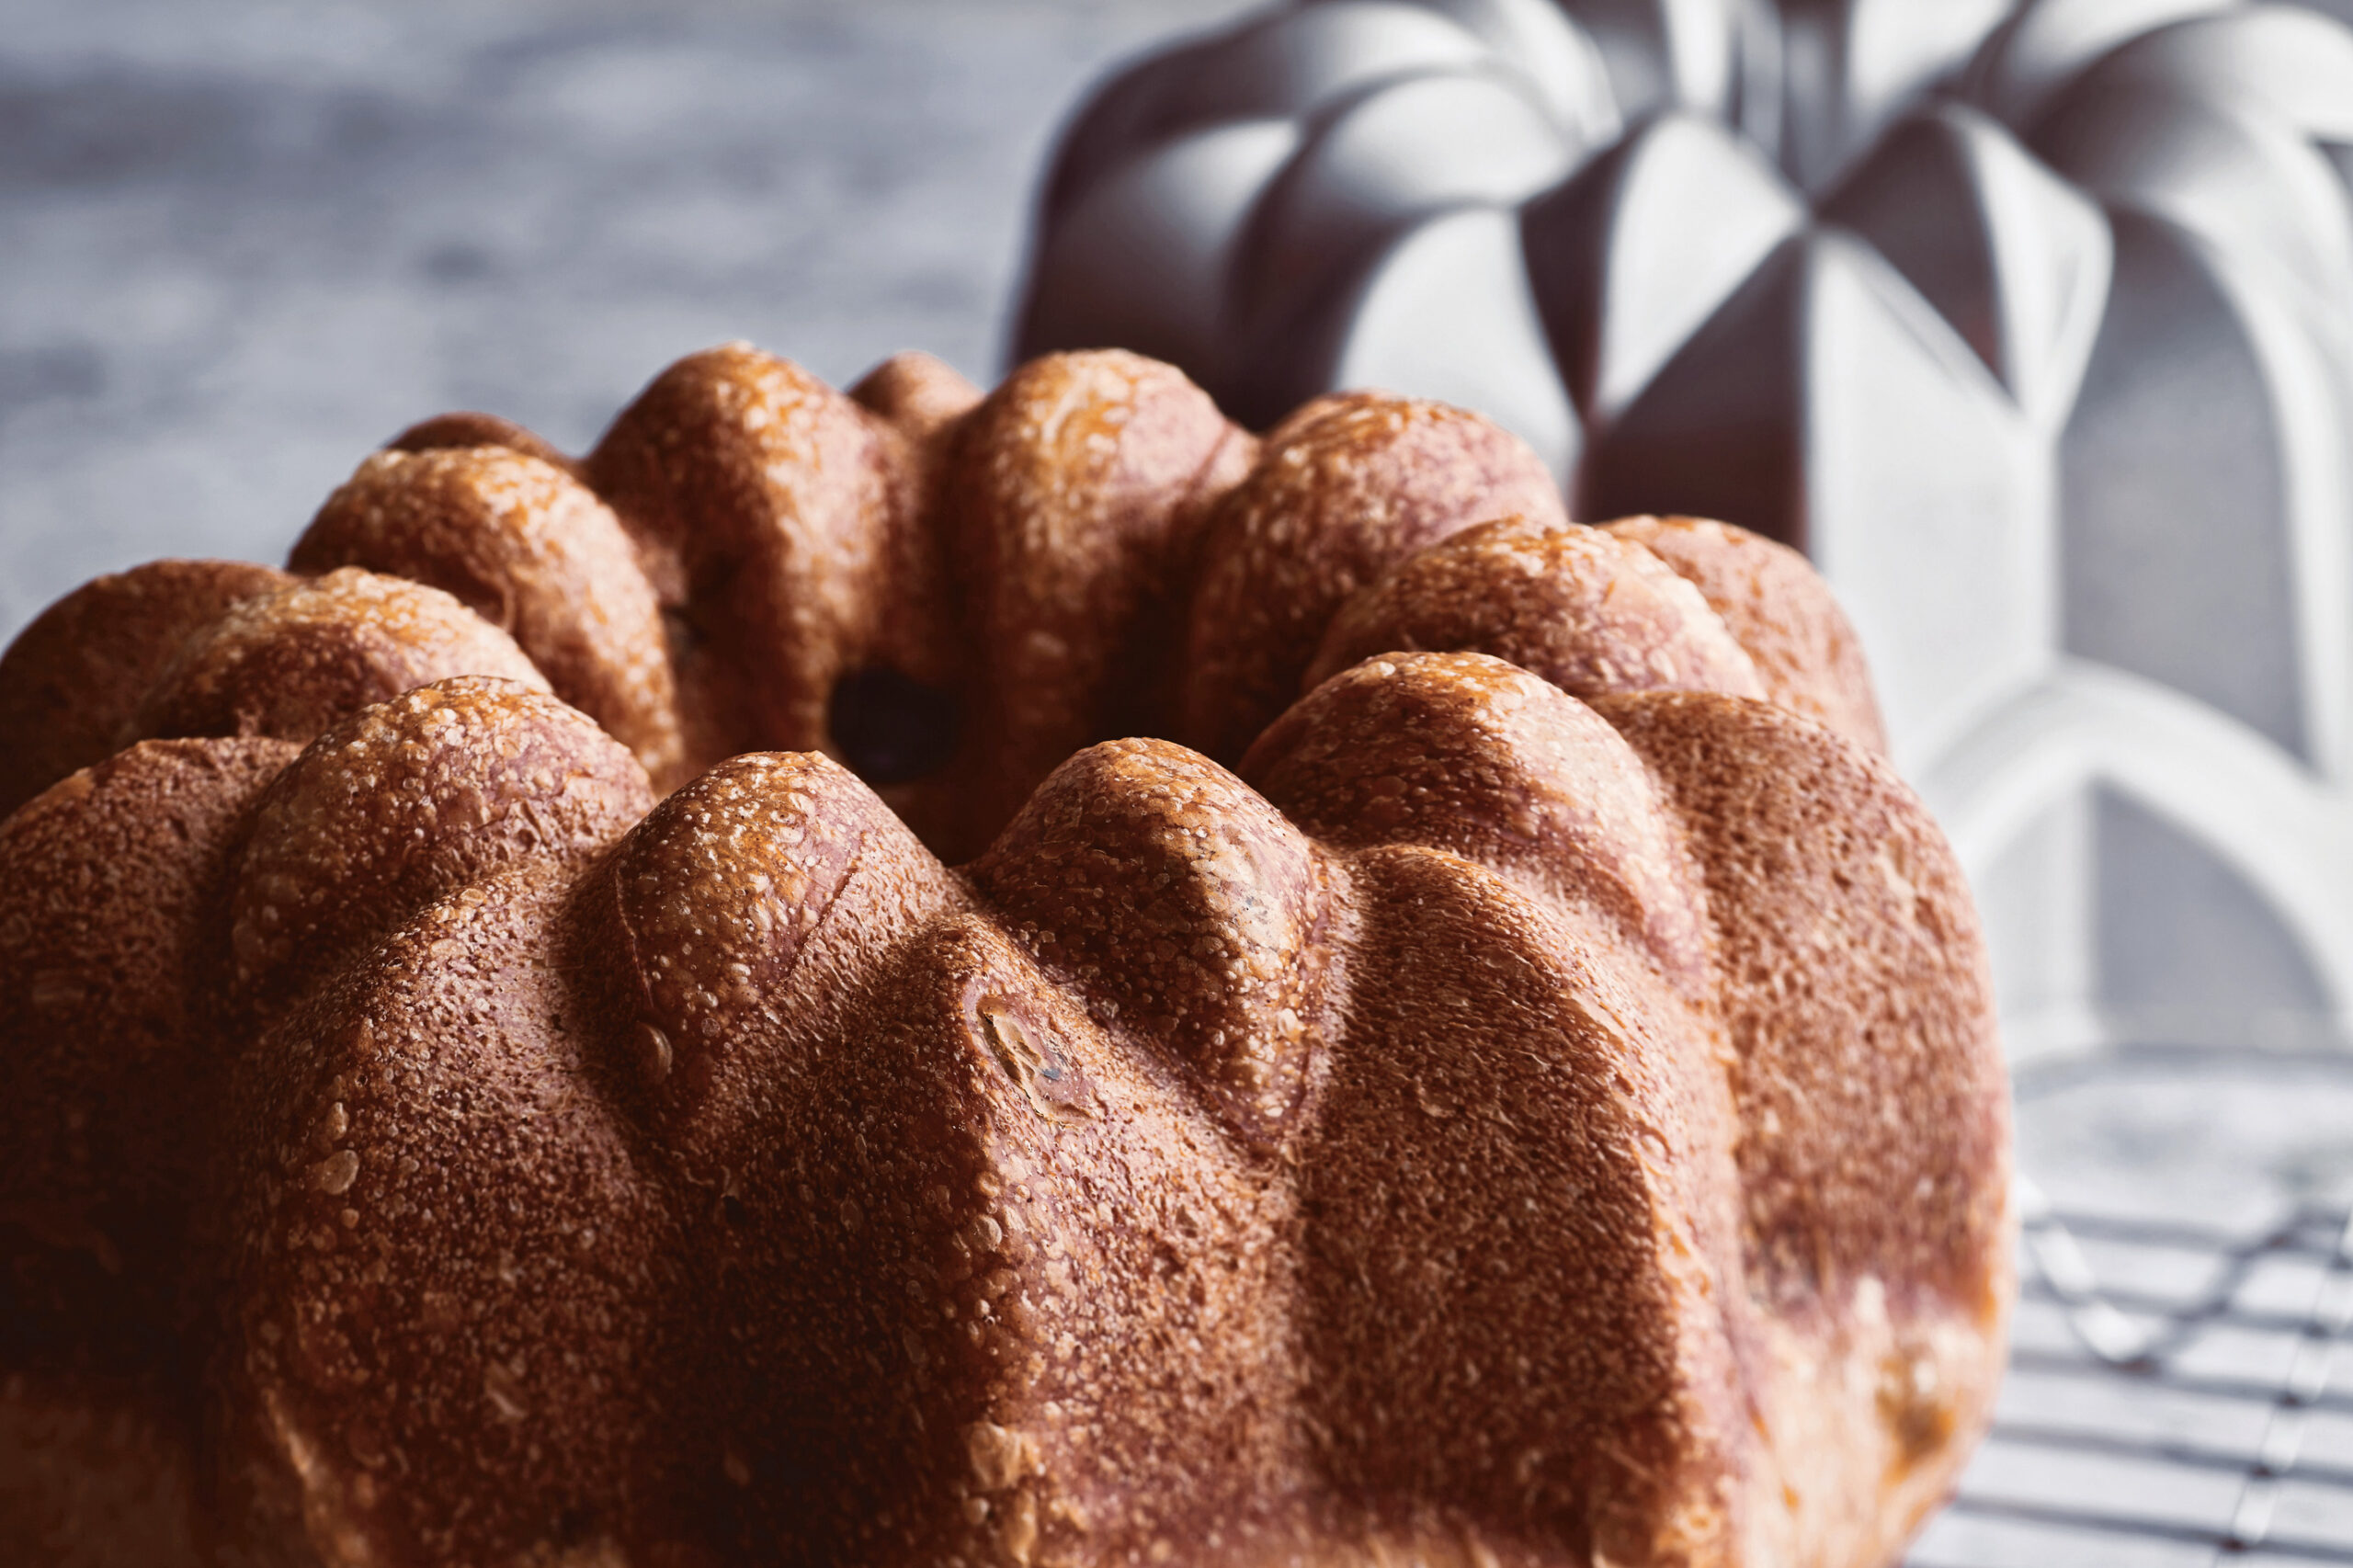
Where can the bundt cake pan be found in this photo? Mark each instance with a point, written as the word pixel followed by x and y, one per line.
pixel 2031 322
pixel 480 1084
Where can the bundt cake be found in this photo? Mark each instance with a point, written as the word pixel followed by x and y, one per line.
pixel 483 1081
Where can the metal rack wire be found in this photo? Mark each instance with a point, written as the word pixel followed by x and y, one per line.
pixel 2175 1394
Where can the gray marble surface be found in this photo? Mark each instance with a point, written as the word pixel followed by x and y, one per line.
pixel 245 240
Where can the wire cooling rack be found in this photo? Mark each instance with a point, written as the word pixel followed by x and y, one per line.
pixel 2181 1388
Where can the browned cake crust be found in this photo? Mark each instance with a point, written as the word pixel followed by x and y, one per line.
pixel 750 560
pixel 1807 656
pixel 1522 1096
pixel 70 680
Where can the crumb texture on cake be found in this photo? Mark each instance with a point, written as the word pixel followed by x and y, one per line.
pixel 1382 1025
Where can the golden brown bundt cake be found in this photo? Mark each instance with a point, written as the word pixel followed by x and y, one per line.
pixel 1526 1095
pixel 952 593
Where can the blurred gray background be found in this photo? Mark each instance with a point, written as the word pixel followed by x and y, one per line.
pixel 243 242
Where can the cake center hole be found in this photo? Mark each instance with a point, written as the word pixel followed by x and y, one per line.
pixel 891 728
